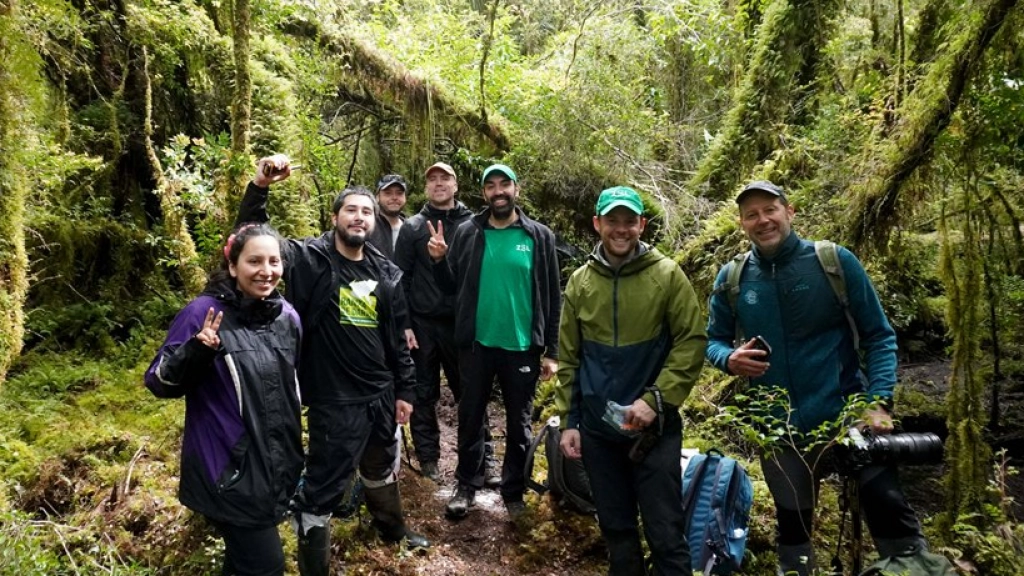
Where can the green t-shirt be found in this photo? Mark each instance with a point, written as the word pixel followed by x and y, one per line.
pixel 504 308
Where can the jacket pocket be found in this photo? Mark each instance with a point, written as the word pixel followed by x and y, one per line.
pixel 233 475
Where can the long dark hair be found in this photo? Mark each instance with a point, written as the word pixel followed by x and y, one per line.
pixel 233 249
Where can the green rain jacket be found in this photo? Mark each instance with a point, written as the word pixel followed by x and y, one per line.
pixel 623 331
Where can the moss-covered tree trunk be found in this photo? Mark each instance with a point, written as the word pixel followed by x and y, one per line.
pixel 182 246
pixel 927 112
pixel 14 67
pixel 241 107
pixel 966 451
pixel 788 44
pixel 929 33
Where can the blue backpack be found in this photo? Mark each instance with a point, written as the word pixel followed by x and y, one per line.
pixel 717 496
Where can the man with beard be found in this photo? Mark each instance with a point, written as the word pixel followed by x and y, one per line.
pixel 503 269
pixel 391 190
pixel 356 375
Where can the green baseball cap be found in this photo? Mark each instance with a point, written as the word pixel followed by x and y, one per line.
pixel 619 196
pixel 501 168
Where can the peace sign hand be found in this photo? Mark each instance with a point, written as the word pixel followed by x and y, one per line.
pixel 436 246
pixel 208 335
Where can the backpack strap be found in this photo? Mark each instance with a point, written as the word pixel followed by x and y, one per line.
pixel 828 257
pixel 532 450
pixel 693 489
pixel 731 288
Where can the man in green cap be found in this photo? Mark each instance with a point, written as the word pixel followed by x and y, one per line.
pixel 632 345
pixel 503 269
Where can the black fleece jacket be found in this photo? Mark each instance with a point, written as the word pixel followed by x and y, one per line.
pixel 309 286
pixel 459 274
pixel 424 296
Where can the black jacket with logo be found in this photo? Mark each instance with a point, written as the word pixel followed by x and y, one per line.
pixel 310 285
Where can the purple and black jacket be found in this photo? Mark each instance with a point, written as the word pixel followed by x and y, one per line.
pixel 242 451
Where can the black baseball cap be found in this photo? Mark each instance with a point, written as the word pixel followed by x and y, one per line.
pixel 763 186
pixel 390 179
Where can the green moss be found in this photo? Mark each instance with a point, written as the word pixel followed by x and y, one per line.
pixel 788 44
pixel 19 69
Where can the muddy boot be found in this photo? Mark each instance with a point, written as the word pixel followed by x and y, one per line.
pixel 796 560
pixel 461 502
pixel 315 551
pixel 385 505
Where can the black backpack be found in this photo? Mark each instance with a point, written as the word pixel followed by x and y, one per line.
pixel 567 479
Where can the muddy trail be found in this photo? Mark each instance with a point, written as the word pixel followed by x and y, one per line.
pixel 546 541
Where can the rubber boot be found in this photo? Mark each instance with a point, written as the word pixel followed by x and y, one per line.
pixel 796 560
pixel 385 505
pixel 315 551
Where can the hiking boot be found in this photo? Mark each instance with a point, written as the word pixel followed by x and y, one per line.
pixel 460 504
pixel 516 510
pixel 429 471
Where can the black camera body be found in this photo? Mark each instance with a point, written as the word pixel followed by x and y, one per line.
pixel 863 448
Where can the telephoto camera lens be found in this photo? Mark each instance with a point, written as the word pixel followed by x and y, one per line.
pixel 909 449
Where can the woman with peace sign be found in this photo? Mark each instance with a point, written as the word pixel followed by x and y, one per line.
pixel 232 354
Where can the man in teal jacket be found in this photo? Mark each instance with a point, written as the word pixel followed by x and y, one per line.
pixel 785 296
pixel 630 334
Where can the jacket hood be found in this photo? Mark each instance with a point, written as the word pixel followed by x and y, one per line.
pixel 644 256
pixel 251 311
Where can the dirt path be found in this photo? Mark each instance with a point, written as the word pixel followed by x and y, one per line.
pixel 547 542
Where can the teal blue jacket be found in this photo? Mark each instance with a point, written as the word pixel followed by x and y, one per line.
pixel 788 301
pixel 622 331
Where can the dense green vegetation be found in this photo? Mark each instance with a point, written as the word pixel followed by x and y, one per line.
pixel 127 128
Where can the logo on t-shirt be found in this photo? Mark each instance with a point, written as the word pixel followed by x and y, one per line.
pixel 358 304
pixel 522 247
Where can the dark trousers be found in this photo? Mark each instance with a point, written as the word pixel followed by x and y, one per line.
pixel 437 350
pixel 251 551
pixel 795 477
pixel 342 436
pixel 517 374
pixel 653 487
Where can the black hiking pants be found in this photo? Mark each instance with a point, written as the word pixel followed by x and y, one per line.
pixel 251 551
pixel 653 487
pixel 794 479
pixel 343 437
pixel 516 373
pixel 437 350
